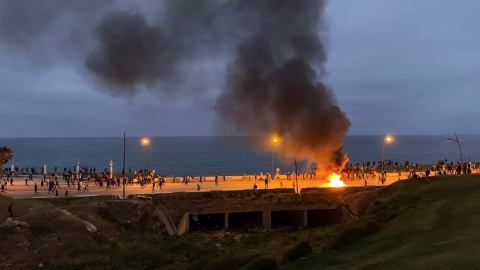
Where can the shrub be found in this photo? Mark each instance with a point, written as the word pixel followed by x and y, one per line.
pixel 353 234
pixel 261 264
pixel 301 249
pixel 106 214
pixel 228 262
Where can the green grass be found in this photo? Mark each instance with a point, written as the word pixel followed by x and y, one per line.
pixel 424 225
pixel 415 224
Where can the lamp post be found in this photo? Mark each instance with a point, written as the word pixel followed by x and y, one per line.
pixel 111 169
pixel 459 148
pixel 123 171
pixel 296 173
pixel 387 139
pixel 145 142
pixel 274 141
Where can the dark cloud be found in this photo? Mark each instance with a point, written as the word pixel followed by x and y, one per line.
pixel 45 31
pixel 20 21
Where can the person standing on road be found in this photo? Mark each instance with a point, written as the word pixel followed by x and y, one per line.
pixel 153 186
pixel 36 189
pixel 26 181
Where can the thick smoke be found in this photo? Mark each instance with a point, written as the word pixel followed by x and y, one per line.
pixel 134 53
pixel 272 86
pixel 273 90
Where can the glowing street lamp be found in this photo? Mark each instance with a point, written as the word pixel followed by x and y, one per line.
pixel 459 148
pixel 275 140
pixel 386 139
pixel 123 171
pixel 145 142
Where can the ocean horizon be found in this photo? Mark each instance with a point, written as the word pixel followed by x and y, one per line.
pixel 231 155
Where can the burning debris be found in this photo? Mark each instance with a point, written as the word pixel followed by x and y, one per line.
pixel 335 181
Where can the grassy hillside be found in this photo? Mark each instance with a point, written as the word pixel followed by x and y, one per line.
pixel 424 224
pixel 417 224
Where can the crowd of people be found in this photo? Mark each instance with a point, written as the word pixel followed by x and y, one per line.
pixel 80 179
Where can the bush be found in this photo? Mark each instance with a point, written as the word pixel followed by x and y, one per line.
pixel 261 264
pixel 354 234
pixel 300 250
pixel 227 262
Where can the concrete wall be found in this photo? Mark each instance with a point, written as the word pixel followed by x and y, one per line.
pixel 272 217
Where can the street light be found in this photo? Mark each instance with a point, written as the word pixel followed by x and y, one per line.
pixel 459 148
pixel 296 173
pixel 123 171
pixel 387 139
pixel 274 141
pixel 145 142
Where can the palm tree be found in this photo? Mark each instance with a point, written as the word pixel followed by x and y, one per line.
pixel 5 155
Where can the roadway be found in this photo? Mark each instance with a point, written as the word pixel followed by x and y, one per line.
pixel 20 190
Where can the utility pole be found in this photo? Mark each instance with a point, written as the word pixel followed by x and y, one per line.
pixel 296 173
pixel 459 148
pixel 123 171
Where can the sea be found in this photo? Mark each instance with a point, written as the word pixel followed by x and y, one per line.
pixel 227 155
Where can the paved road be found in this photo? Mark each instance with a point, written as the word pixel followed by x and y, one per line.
pixel 20 190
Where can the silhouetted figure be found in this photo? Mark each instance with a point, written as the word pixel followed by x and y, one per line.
pixel 10 210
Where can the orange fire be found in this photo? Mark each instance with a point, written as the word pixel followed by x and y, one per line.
pixel 335 181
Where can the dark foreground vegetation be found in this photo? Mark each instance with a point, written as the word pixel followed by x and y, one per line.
pixel 417 224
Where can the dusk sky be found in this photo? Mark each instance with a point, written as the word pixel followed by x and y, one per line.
pixel 401 67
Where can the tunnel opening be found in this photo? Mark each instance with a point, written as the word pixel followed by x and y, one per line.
pixel 317 218
pixel 207 222
pixel 245 220
pixel 292 218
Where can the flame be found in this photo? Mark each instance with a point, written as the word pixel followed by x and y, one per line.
pixel 335 181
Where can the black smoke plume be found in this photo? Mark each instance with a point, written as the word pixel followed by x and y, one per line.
pixel 131 53
pixel 273 89
pixel 272 85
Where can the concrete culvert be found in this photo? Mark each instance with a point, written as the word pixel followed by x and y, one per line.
pixel 245 220
pixel 207 222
